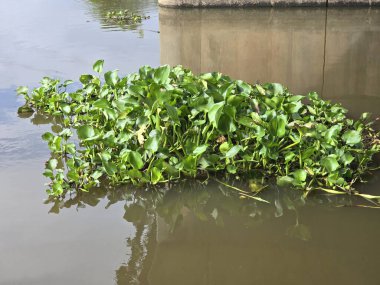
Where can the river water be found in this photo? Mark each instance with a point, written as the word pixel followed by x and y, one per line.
pixel 194 233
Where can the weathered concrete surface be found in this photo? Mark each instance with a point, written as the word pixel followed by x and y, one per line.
pixel 333 52
pixel 272 3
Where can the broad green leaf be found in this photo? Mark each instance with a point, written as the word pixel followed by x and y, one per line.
pixel 278 89
pixel 347 158
pixel 98 66
pixel 156 175
pixel 85 132
pixel 295 98
pixel 85 78
pixel 330 163
pixel 47 136
pixel 233 151
pixel 247 122
pixel 200 149
pixel 284 181
pixel 110 168
pixel 189 163
pixel 352 137
pixel 66 109
pixel 224 147
pixel 278 126
pixel 172 112
pixel 260 89
pixel 52 164
pixel 231 169
pixel 57 188
pixel 161 74
pixel 111 77
pixel 152 143
pixel 135 159
pixel 101 104
pixel 332 133
pixel 134 174
pixel 215 113
pixel 226 124
pixel 300 175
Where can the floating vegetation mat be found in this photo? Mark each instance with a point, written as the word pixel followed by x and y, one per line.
pixel 124 17
pixel 164 124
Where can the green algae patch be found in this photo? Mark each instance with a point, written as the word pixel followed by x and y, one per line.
pixel 165 124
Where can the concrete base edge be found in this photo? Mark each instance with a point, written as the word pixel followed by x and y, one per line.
pixel 267 3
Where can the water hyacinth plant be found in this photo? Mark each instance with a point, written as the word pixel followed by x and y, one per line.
pixel 163 124
pixel 125 17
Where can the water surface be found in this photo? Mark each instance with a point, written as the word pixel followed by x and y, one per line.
pixel 195 233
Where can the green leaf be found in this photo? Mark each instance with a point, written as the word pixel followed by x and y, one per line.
pixel 156 175
pixel 215 113
pixel 347 158
pixel 278 89
pixel 110 168
pixel 233 151
pixel 135 159
pixel 161 74
pixel 189 163
pixel 85 78
pixel 289 156
pixel 111 78
pixel 98 66
pixel 200 149
pixel 52 164
pixel 332 133
pixel 172 112
pixel 226 124
pixel 85 132
pixel 57 188
pixel 224 147
pixel 352 137
pixel 283 181
pixel 330 163
pixel 134 174
pixel 278 126
pixel 231 169
pixel 48 136
pixel 102 104
pixel 300 175
pixel 152 143
pixel 66 109
pixel 22 90
pixel 260 89
pixel 247 122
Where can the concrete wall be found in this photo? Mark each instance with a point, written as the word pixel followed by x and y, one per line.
pixel 242 3
pixel 334 52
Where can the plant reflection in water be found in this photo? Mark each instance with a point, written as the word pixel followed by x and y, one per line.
pixel 160 216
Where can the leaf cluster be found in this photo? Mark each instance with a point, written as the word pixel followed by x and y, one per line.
pixel 125 17
pixel 164 123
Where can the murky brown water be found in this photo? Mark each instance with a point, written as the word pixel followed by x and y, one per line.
pixel 194 233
